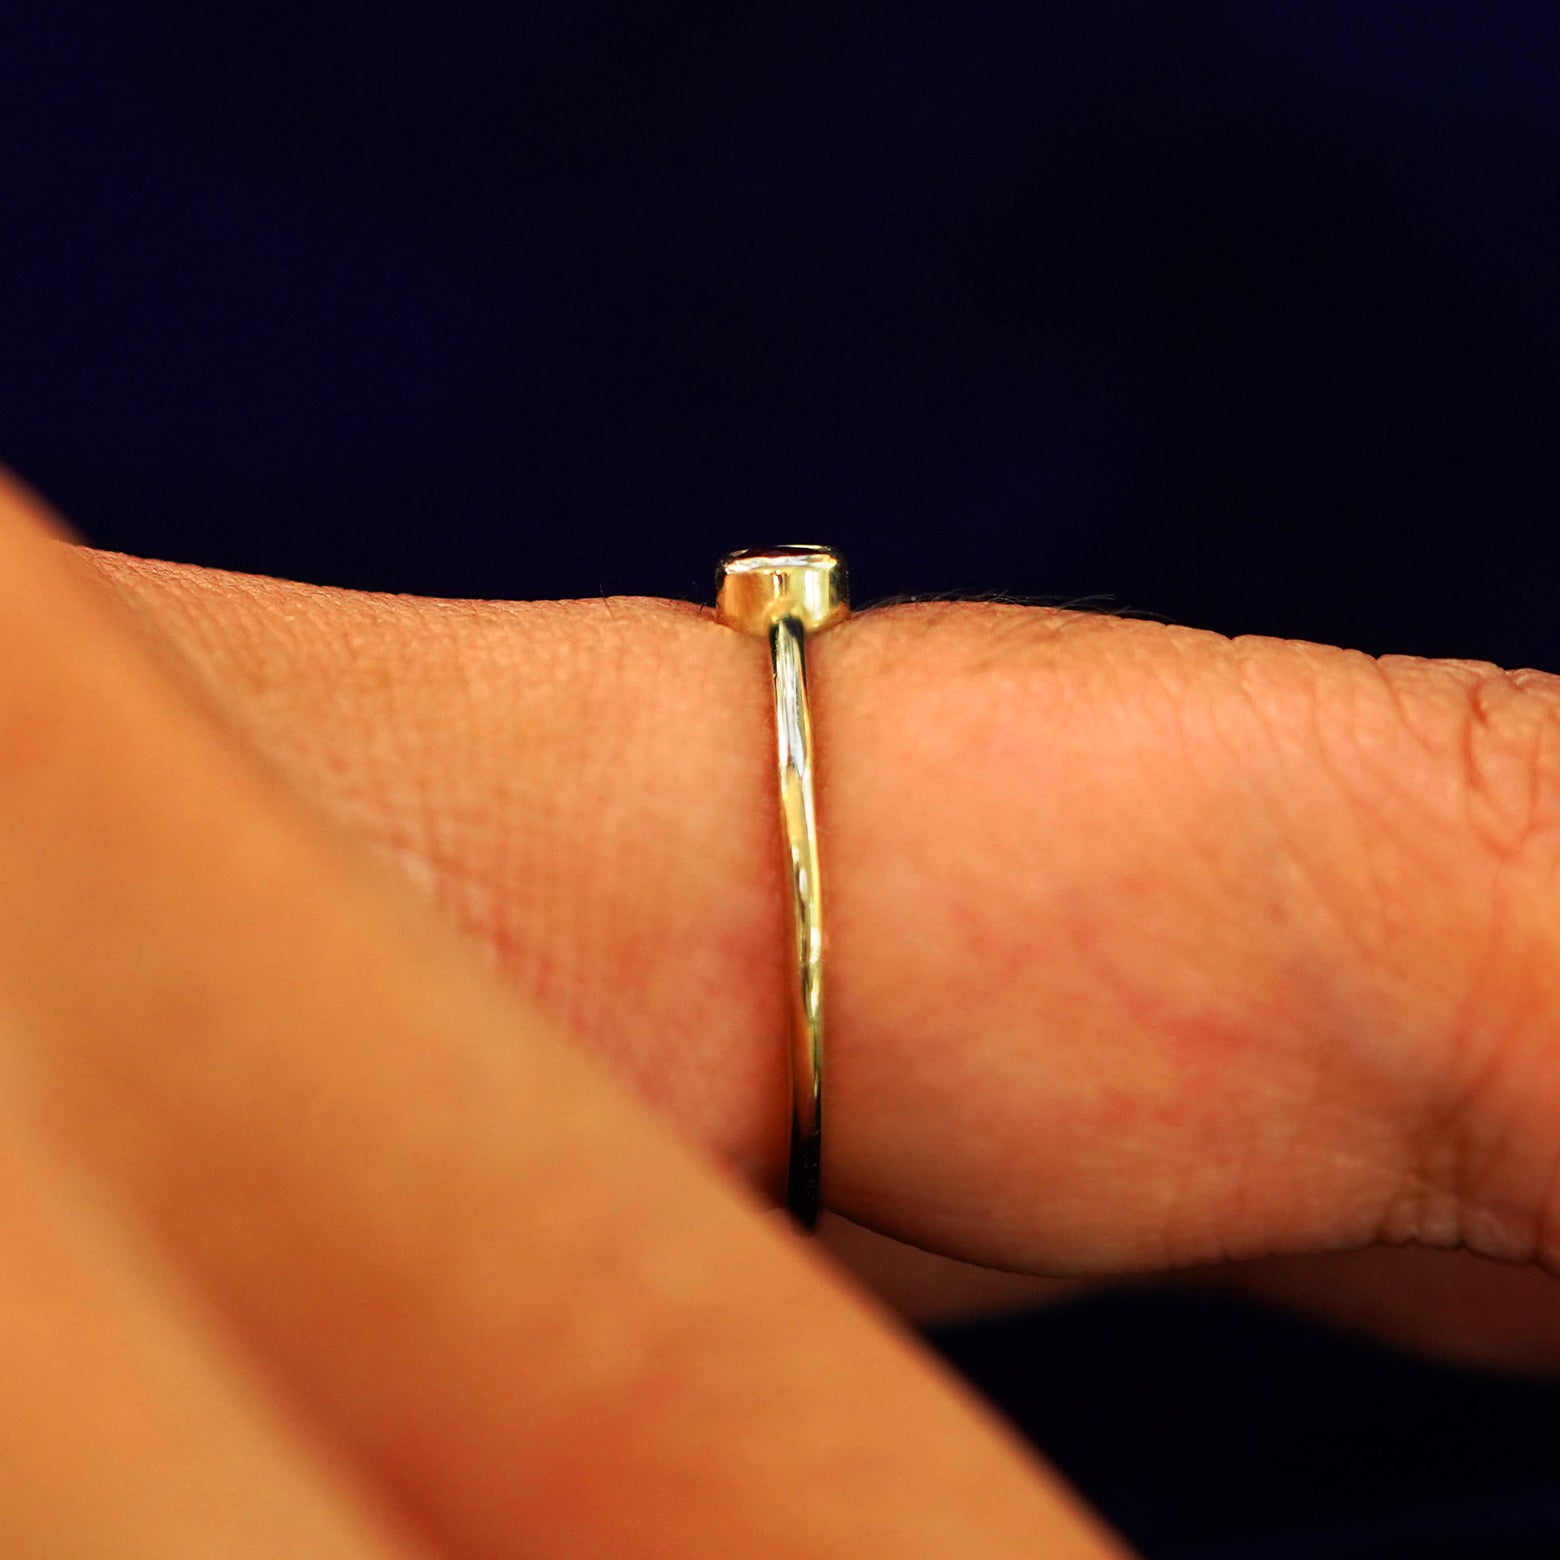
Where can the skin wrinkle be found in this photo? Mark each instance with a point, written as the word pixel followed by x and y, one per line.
pixel 1511 1171
pixel 1381 790
pixel 1428 1207
pixel 1455 709
pixel 1503 778
pixel 1544 779
pixel 1329 903
pixel 1500 1191
pixel 1272 719
pixel 1280 908
pixel 1478 1155
pixel 532 857
pixel 1509 808
pixel 1034 632
pixel 1335 749
pixel 1377 797
pixel 1492 1225
pixel 1404 822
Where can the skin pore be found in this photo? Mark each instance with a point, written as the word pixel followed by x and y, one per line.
pixel 1148 948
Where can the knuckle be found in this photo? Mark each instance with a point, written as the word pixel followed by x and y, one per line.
pixel 1508 745
pixel 1487 758
pixel 1482 761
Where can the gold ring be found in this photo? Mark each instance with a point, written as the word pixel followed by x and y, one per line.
pixel 786 593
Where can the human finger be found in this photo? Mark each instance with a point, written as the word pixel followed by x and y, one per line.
pixel 1147 947
pixel 542 1324
pixel 131 1429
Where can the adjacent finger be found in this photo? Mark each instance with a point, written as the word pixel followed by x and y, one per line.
pixel 130 1430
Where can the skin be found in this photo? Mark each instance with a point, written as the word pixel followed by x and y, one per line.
pixel 1148 949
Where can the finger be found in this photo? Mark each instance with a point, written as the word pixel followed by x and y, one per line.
pixel 1148 947
pixel 548 1329
pixel 129 1429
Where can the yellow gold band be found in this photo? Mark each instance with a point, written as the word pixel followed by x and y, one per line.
pixel 786 593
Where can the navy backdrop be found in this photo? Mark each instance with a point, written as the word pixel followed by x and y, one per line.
pixel 1245 314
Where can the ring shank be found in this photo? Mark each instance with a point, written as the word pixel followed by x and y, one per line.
pixel 793 744
pixel 786 594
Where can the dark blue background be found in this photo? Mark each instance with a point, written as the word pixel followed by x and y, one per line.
pixel 1245 314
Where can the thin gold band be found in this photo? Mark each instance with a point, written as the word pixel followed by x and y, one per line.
pixel 785 593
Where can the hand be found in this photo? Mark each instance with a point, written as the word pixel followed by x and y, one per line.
pixel 1148 948
pixel 315 1241
pixel 369 1258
